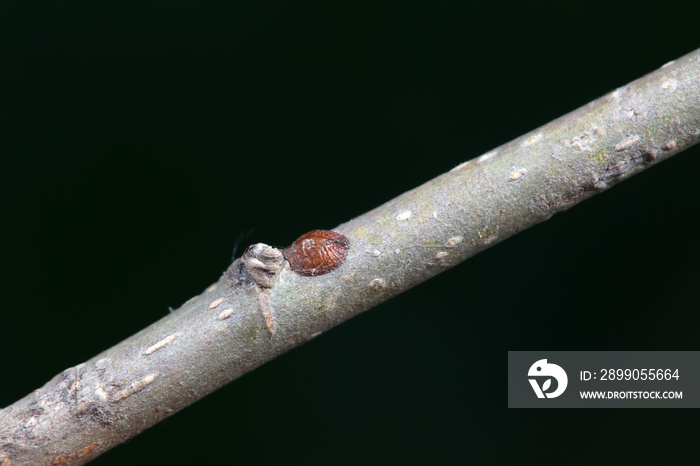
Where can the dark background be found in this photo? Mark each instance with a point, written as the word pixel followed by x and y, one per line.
pixel 139 140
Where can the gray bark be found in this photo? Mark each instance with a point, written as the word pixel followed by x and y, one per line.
pixel 260 308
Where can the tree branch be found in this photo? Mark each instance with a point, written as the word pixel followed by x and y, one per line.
pixel 260 308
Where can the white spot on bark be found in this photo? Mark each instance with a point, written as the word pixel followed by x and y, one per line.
pixel 226 313
pixel 668 64
pixel 516 174
pixel 668 84
pixel 398 251
pixel 215 303
pixel 485 157
pixel 377 284
pixel 533 139
pixel 460 166
pixel 155 347
pixel 627 143
pixel 670 145
pixel 135 387
pixel 101 394
pixel 32 421
pixel 266 310
pixel 211 288
pixel 376 253
pixel 440 255
pixel 405 215
pixel 454 241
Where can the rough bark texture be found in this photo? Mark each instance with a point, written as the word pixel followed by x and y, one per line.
pixel 260 308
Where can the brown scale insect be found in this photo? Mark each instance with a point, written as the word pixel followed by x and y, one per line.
pixel 317 252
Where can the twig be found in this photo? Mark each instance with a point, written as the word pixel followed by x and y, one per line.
pixel 260 308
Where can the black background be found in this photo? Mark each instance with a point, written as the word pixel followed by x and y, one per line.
pixel 141 139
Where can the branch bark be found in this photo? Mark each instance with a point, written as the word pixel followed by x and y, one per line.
pixel 260 308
